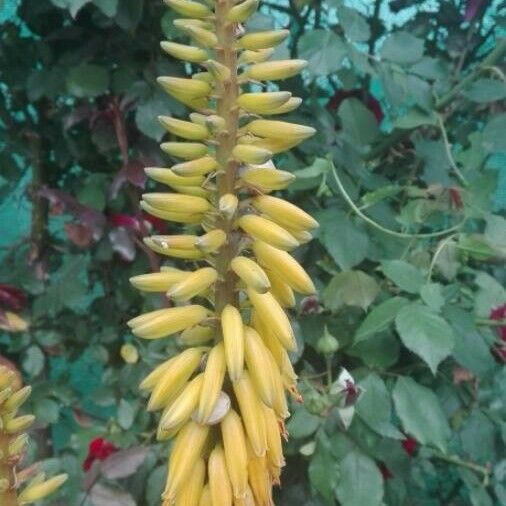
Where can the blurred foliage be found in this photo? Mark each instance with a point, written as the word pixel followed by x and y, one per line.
pixel 408 100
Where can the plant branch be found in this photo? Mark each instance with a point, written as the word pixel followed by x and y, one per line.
pixel 483 471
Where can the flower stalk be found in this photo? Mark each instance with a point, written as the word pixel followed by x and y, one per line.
pixel 223 398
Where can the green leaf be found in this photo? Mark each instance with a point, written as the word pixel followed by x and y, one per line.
pixel 420 413
pixel 380 318
pixel 494 139
pixel 414 118
pixel 351 288
pixel 87 80
pixel 311 177
pixel 359 123
pixel 406 276
pixel 126 414
pixel 402 48
pixel 432 295
pixel 73 6
pixel 46 411
pixel 486 90
pixel 360 483
pixel 355 26
pixel 302 423
pixel 425 333
pixel 129 14
pixel 108 7
pixel 346 243
pixel 375 407
pixel 324 472
pixel 323 50
pixel 33 361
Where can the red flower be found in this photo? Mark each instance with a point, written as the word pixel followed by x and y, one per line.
pixel 410 445
pixel 385 472
pixel 499 348
pixel 12 297
pixel 98 449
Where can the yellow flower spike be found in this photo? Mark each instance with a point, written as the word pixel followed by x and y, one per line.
pixel 196 283
pixel 186 129
pixel 267 231
pixel 227 205
pixel 14 402
pixel 251 154
pixel 263 40
pixel 5 394
pixel 185 150
pixel 197 335
pixel 260 103
pixel 189 8
pixel 214 375
pixel 258 364
pixel 18 424
pixel 175 202
pixel 259 56
pixel 275 70
pixel 205 498
pixel 183 52
pixel 251 413
pixel 225 150
pixel 251 273
pixel 158 324
pixel 179 86
pixel 285 266
pixel 241 12
pixel 285 213
pixel 183 406
pixel 279 129
pixel 233 339
pixel 197 167
pixel 6 377
pixel 219 481
pixel 267 179
pixel 158 281
pixel 191 492
pixel 236 455
pixel 212 241
pixel 174 377
pixel 34 493
pixel 11 322
pixel 272 315
pixel 185 454
pixel 281 291
pixel 169 177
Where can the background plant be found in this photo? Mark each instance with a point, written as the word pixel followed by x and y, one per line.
pixel 408 100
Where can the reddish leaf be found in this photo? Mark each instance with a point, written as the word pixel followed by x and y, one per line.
pixel 102 495
pixel 132 172
pixel 122 243
pixel 472 9
pixel 78 234
pixel 12 297
pixel 124 462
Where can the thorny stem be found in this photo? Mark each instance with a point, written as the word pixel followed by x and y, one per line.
pixel 225 292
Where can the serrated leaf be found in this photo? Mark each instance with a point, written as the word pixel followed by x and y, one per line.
pixel 351 288
pixel 406 276
pixel 375 407
pixel 425 333
pixel 360 482
pixel 420 413
pixel 379 318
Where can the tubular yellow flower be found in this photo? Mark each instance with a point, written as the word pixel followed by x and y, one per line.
pixel 233 339
pixel 230 426
pixel 213 382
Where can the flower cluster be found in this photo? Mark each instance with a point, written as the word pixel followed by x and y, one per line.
pixel 13 442
pixel 223 398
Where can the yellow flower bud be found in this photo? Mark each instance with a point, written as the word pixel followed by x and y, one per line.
pixel 267 179
pixel 192 491
pixel 197 335
pixel 260 103
pixel 280 290
pixel 181 87
pixel 129 353
pixel 197 167
pixel 185 150
pixel 251 154
pixel 219 71
pixel 211 241
pixel 275 70
pixel 183 52
pixel 233 339
pixel 19 424
pixel 34 493
pixel 251 273
pixel 263 40
pixel 14 402
pixel 174 202
pixel 281 129
pixel 259 56
pixel 241 12
pixel 196 283
pixel 185 129
pixel 289 106
pixel 189 8
pixel 219 481
pixel 227 205
pixel 267 231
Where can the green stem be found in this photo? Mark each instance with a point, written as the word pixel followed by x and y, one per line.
pixel 484 471
pixel 383 229
pixel 490 323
